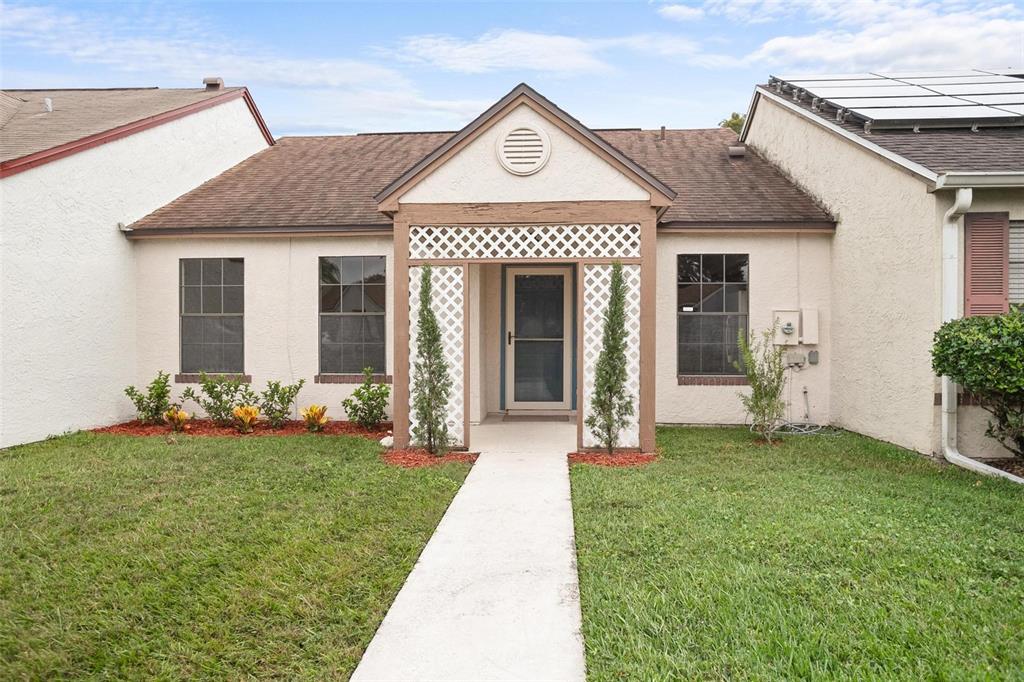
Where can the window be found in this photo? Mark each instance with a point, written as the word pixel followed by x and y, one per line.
pixel 712 311
pixel 212 306
pixel 1017 263
pixel 352 304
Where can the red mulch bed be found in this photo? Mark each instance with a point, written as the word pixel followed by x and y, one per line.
pixel 413 458
pixel 1012 465
pixel 619 459
pixel 205 427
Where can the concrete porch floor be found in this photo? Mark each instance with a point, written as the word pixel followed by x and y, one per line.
pixel 495 595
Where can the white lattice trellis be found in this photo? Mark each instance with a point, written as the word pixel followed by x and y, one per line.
pixel 446 285
pixel 596 286
pixel 525 241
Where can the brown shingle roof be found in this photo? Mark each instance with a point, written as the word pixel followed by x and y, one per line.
pixel 77 114
pixel 330 182
pixel 941 150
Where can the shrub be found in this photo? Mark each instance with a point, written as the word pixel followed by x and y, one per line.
pixel 152 404
pixel 277 400
pixel 315 417
pixel 369 402
pixel 985 355
pixel 177 418
pixel 431 382
pixel 611 406
pixel 762 362
pixel 219 396
pixel 246 417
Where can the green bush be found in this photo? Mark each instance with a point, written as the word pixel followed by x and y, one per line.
pixel 611 406
pixel 985 355
pixel 368 404
pixel 762 362
pixel 152 404
pixel 277 400
pixel 220 395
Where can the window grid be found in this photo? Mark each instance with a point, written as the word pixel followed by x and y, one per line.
pixel 352 305
pixel 211 305
pixel 712 310
pixel 1017 263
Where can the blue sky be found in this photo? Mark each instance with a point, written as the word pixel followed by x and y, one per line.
pixel 326 67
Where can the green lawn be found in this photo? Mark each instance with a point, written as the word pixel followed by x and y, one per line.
pixel 827 557
pixel 206 557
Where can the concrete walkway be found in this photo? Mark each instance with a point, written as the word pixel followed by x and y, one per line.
pixel 494 596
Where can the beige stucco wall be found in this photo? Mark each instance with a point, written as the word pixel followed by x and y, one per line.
pixel 68 316
pixel 572 173
pixel 787 272
pixel 972 421
pixel 281 306
pixel 885 276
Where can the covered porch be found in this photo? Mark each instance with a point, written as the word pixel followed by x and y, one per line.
pixel 520 305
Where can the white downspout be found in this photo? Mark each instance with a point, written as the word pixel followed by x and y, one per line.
pixel 950 311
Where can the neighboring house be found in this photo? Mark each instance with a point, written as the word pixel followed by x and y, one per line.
pixel 922 171
pixel 304 261
pixel 75 166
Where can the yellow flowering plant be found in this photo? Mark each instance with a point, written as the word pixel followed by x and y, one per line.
pixel 315 417
pixel 177 418
pixel 246 417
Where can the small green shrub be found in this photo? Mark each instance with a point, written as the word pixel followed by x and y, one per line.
pixel 368 404
pixel 219 396
pixel 762 362
pixel 152 404
pixel 431 382
pixel 277 400
pixel 985 355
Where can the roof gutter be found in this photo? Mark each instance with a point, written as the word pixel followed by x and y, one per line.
pixel 951 310
pixel 979 180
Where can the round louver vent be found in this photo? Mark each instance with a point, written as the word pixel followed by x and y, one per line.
pixel 524 150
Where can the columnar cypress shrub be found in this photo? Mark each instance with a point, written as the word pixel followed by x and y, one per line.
pixel 431 383
pixel 610 405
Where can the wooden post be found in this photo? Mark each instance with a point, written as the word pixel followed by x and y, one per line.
pixel 648 314
pixel 400 394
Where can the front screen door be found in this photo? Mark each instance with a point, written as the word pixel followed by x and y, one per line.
pixel 538 337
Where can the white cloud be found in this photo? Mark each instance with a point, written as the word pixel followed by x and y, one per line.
pixel 681 12
pixel 881 34
pixel 515 50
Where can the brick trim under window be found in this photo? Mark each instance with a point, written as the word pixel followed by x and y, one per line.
pixel 711 380
pixel 194 378
pixel 350 379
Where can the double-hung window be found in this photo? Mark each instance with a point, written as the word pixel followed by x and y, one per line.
pixel 712 311
pixel 212 304
pixel 352 307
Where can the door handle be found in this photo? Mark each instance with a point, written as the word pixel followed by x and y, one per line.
pixel 510 338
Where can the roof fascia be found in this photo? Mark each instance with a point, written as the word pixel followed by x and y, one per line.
pixel 917 169
pixel 979 179
pixel 387 198
pixel 24 163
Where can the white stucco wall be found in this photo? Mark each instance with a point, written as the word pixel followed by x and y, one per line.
pixel 972 420
pixel 281 307
pixel 67 321
pixel 787 272
pixel 572 173
pixel 885 276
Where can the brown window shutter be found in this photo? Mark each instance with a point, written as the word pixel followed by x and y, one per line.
pixel 987 267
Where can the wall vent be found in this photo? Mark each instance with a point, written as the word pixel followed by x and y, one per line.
pixel 523 150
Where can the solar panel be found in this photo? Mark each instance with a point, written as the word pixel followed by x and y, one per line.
pixel 958 98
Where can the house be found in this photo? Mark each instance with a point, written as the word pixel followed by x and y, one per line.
pixel 520 214
pixel 304 260
pixel 74 164
pixel 924 173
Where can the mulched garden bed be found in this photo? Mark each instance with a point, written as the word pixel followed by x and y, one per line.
pixel 1012 465
pixel 415 457
pixel 619 459
pixel 205 427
